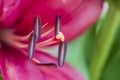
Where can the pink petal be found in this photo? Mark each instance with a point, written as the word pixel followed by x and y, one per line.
pixel 68 72
pixel 77 15
pixel 13 10
pixel 16 66
pixel 1 8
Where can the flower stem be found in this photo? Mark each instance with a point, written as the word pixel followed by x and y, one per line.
pixel 104 42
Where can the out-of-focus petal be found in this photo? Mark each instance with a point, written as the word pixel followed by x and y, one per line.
pixel 16 66
pixel 1 8
pixel 64 73
pixel 13 10
pixel 77 15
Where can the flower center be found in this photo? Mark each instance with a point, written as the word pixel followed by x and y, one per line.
pixel 32 42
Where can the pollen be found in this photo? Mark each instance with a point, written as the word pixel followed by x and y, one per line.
pixel 60 36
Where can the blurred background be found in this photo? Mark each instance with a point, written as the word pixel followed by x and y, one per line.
pixel 96 54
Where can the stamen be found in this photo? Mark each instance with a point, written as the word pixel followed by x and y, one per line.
pixel 51 65
pixel 57 24
pixel 26 37
pixel 31 46
pixel 62 53
pixel 44 25
pixel 62 46
pixel 46 42
pixel 47 32
pixel 49 43
pixel 37 28
pixel 35 35
pixel 22 38
pixel 46 50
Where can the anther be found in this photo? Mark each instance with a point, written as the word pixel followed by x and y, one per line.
pixel 57 24
pixel 62 53
pixel 31 46
pixel 37 27
pixel 51 65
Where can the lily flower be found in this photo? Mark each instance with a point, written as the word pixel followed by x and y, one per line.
pixel 29 27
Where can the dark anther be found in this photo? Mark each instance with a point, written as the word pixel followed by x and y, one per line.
pixel 52 65
pixel 37 27
pixel 35 37
pixel 57 24
pixel 31 46
pixel 62 45
pixel 62 53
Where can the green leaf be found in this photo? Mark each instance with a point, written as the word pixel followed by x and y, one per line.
pixel 76 57
pixel 116 3
pixel 104 42
pixel 88 41
pixel 112 69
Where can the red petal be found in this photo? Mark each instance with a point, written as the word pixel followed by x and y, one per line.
pixel 77 15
